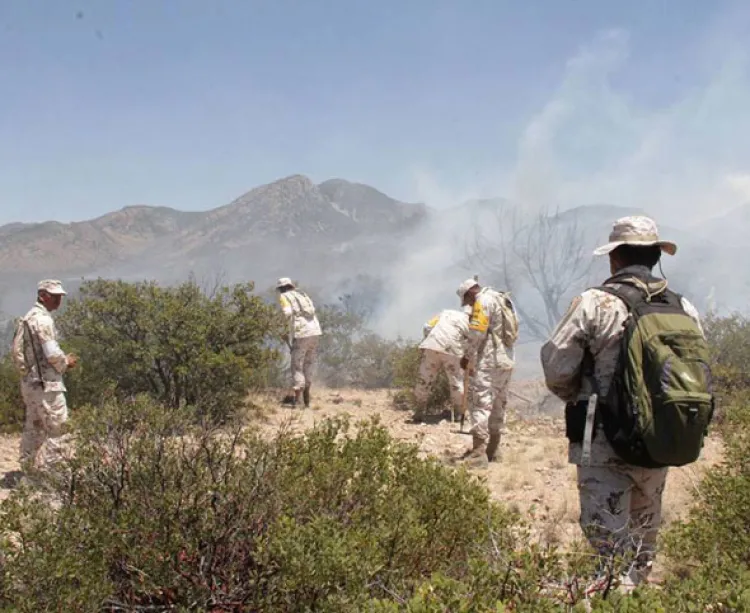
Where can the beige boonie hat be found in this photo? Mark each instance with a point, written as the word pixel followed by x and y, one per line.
pixel 637 230
pixel 283 282
pixel 51 286
pixel 465 287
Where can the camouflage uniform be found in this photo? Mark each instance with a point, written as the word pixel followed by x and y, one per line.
pixel 493 360
pixel 304 335
pixel 446 338
pixel 620 503
pixel 43 392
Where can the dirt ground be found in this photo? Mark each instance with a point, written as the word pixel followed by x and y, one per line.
pixel 532 475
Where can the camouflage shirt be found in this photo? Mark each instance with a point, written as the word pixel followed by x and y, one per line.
pixel 37 348
pixel 595 320
pixel 492 320
pixel 447 332
pixel 299 310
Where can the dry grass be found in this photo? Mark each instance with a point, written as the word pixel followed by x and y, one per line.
pixel 533 475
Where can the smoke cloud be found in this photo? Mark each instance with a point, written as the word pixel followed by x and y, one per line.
pixel 686 163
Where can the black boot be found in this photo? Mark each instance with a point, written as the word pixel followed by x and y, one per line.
pixel 306 396
pixel 492 446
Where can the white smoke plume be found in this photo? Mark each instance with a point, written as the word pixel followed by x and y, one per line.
pixel 685 163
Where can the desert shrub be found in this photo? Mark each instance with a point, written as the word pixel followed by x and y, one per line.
pixel 336 354
pixel 710 551
pixel 351 355
pixel 176 344
pixel 7 330
pixel 729 339
pixel 158 514
pixel 406 361
pixel 11 403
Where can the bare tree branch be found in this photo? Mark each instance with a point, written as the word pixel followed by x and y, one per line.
pixel 544 252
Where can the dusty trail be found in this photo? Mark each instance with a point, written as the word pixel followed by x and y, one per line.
pixel 532 475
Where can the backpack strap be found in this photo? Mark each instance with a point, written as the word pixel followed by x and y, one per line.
pixel 639 296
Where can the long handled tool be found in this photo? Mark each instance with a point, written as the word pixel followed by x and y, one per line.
pixel 465 398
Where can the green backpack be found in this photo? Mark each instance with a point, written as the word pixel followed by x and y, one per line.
pixel 660 402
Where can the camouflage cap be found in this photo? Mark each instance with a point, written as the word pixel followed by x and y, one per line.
pixel 465 287
pixel 51 286
pixel 636 230
pixel 283 282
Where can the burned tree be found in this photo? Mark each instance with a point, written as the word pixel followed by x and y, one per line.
pixel 545 252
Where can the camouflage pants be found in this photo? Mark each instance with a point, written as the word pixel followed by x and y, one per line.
pixel 489 395
pixel 430 364
pixel 621 511
pixel 42 442
pixel 304 356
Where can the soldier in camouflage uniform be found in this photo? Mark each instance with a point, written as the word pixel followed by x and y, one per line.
pixel 620 503
pixel 42 362
pixel 493 331
pixel 446 338
pixel 303 336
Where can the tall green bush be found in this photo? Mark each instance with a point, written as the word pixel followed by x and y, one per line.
pixel 11 404
pixel 176 344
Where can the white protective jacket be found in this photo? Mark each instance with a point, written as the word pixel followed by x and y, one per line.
pixel 300 313
pixel 447 332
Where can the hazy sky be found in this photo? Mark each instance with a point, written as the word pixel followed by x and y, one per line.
pixel 189 103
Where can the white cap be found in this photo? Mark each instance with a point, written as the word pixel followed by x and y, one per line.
pixel 283 282
pixel 465 287
pixel 51 286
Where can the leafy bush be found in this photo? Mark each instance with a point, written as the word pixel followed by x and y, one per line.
pixel 11 404
pixel 176 344
pixel 350 355
pixel 406 374
pixel 336 352
pixel 157 513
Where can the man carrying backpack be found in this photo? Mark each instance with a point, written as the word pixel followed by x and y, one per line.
pixel 630 360
pixel 493 331
pixel 303 335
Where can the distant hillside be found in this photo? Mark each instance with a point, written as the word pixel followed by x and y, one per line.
pixel 290 226
pixel 327 234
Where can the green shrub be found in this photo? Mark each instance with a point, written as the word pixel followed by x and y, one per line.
pixel 176 344
pixel 406 361
pixel 350 355
pixel 11 404
pixel 159 514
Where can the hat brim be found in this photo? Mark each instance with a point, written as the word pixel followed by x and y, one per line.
pixel 666 246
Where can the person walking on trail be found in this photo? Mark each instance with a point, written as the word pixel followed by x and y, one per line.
pixel 445 342
pixel 493 332
pixel 42 363
pixel 593 362
pixel 303 335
